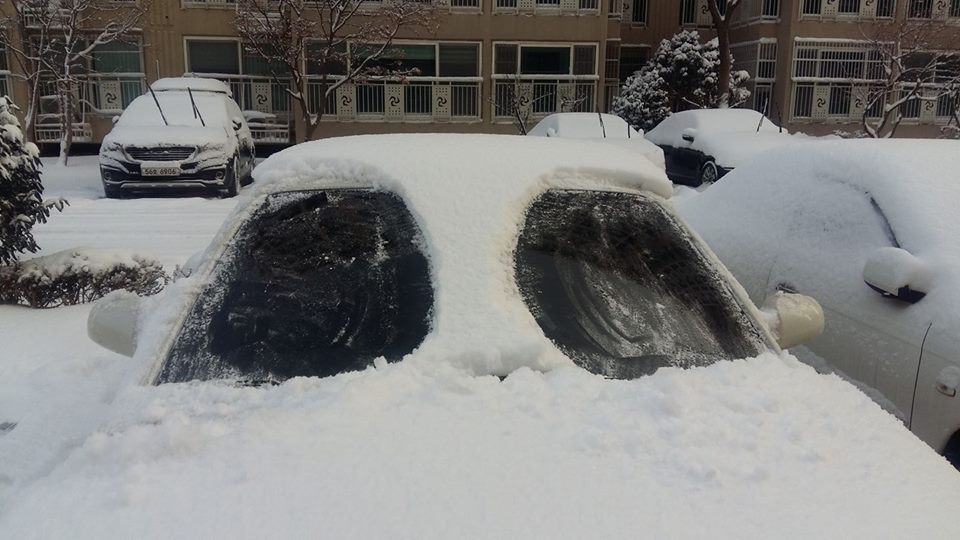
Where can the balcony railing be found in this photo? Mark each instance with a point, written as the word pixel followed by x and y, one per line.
pixel 536 98
pixel 414 100
pixel 51 132
pixel 589 7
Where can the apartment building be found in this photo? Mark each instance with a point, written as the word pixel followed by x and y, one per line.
pixel 490 61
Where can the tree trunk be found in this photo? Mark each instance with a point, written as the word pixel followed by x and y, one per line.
pixel 723 72
pixel 66 123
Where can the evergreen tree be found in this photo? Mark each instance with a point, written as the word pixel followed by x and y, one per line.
pixel 21 202
pixel 683 74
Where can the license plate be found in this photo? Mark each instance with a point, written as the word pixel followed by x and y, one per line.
pixel 161 171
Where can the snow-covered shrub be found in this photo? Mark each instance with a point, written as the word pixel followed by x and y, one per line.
pixel 21 202
pixel 77 276
pixel 682 75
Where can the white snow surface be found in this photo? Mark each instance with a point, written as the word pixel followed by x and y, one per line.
pixel 587 126
pixel 729 135
pixel 86 259
pixel 756 448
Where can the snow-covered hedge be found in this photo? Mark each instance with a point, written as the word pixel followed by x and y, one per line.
pixel 77 276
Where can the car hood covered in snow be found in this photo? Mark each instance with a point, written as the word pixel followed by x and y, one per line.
pixel 153 136
pixel 437 447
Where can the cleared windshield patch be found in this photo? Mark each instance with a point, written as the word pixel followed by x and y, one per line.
pixel 313 284
pixel 617 284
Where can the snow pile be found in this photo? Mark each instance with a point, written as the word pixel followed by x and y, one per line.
pixel 402 452
pixel 731 136
pixel 79 260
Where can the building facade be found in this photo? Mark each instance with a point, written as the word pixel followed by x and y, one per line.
pixel 492 64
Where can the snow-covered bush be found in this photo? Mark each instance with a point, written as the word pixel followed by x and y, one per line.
pixel 21 202
pixel 77 276
pixel 682 75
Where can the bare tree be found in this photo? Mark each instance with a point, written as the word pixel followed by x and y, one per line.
pixel 332 42
pixel 55 40
pixel 722 11
pixel 904 70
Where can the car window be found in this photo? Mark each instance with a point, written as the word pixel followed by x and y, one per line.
pixel 313 284
pixel 617 283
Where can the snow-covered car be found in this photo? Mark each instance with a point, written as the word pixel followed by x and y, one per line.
pixel 605 128
pixel 184 134
pixel 487 279
pixel 869 229
pixel 701 146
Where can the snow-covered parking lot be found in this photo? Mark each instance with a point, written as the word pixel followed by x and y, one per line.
pixel 756 448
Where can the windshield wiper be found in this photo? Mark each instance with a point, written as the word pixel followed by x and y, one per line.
pixel 159 108
pixel 196 110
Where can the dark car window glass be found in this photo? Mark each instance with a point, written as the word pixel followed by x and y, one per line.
pixel 313 284
pixel 619 286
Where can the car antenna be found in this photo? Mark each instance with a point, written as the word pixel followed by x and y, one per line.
pixel 763 115
pixel 602 127
pixel 913 401
pixel 159 108
pixel 196 110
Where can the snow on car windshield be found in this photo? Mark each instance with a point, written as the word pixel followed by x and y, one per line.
pixel 314 284
pixel 614 281
pixel 177 109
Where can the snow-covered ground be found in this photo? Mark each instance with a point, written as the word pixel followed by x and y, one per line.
pixel 754 448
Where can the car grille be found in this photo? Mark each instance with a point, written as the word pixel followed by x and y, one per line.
pixel 161 153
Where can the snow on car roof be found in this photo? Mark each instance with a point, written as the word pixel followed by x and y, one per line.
pixel 731 136
pixel 579 125
pixel 196 84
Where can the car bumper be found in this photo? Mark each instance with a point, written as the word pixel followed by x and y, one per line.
pixel 129 178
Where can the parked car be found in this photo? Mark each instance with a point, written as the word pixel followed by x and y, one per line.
pixel 869 229
pixel 701 146
pixel 606 128
pixel 494 283
pixel 185 134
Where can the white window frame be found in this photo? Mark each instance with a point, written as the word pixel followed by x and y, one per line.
pixel 545 45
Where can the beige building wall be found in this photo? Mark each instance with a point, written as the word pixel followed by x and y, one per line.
pixel 767 35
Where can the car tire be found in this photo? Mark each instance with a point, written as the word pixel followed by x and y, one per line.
pixel 232 181
pixel 708 173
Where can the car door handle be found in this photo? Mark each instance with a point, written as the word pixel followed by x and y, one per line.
pixel 948 380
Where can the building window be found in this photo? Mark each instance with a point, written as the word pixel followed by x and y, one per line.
pixel 920 9
pixel 611 68
pixel 688 12
pixel 220 57
pixel 947 105
pixel 885 8
pixel 771 9
pixel 543 79
pixel 848 7
pixel 4 72
pixel 762 94
pixel 810 7
pixel 638 12
pixel 839 104
pixel 803 101
pixel 632 59
pixel 910 109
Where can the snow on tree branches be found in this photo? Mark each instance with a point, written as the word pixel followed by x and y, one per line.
pixel 21 202
pixel 683 74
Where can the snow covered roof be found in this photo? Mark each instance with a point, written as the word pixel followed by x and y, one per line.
pixel 580 125
pixel 196 84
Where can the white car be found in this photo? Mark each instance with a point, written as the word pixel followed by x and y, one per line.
pixel 599 127
pixel 869 229
pixel 702 145
pixel 183 134
pixel 468 299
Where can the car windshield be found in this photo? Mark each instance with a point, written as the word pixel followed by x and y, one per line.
pixel 177 109
pixel 619 285
pixel 313 284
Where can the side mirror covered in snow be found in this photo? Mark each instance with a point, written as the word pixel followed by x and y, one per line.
pixel 237 122
pixel 896 273
pixel 688 134
pixel 112 322
pixel 115 119
pixel 794 318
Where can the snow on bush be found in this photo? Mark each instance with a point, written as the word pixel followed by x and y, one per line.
pixel 683 74
pixel 78 276
pixel 21 202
